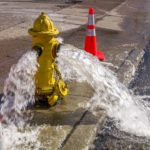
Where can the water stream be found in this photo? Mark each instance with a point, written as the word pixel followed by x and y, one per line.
pixel 127 110
pixel 128 113
pixel 18 93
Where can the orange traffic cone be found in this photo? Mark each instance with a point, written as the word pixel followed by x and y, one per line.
pixel 90 41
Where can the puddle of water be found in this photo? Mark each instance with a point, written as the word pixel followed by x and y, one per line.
pixel 110 137
pixel 14 139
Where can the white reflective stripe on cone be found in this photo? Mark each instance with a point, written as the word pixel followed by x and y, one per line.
pixel 91 20
pixel 91 32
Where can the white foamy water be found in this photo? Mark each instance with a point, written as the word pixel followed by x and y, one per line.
pixel 127 110
pixel 19 91
pixel 14 139
pixel 129 113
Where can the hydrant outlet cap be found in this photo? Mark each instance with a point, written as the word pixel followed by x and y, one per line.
pixel 43 25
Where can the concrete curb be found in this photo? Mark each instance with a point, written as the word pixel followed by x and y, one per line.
pixel 130 65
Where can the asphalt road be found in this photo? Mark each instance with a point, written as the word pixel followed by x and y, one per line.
pixel 141 82
pixel 121 28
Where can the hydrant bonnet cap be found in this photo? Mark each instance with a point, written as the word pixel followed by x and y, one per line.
pixel 43 26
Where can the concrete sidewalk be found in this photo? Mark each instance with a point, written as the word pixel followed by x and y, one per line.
pixel 122 33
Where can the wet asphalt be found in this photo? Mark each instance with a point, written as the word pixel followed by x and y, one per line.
pixel 110 138
pixel 137 26
pixel 141 83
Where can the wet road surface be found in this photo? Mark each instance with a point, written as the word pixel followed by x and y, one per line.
pixel 135 21
pixel 141 83
pixel 110 138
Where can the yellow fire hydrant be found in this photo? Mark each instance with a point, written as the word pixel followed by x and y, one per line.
pixel 48 79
